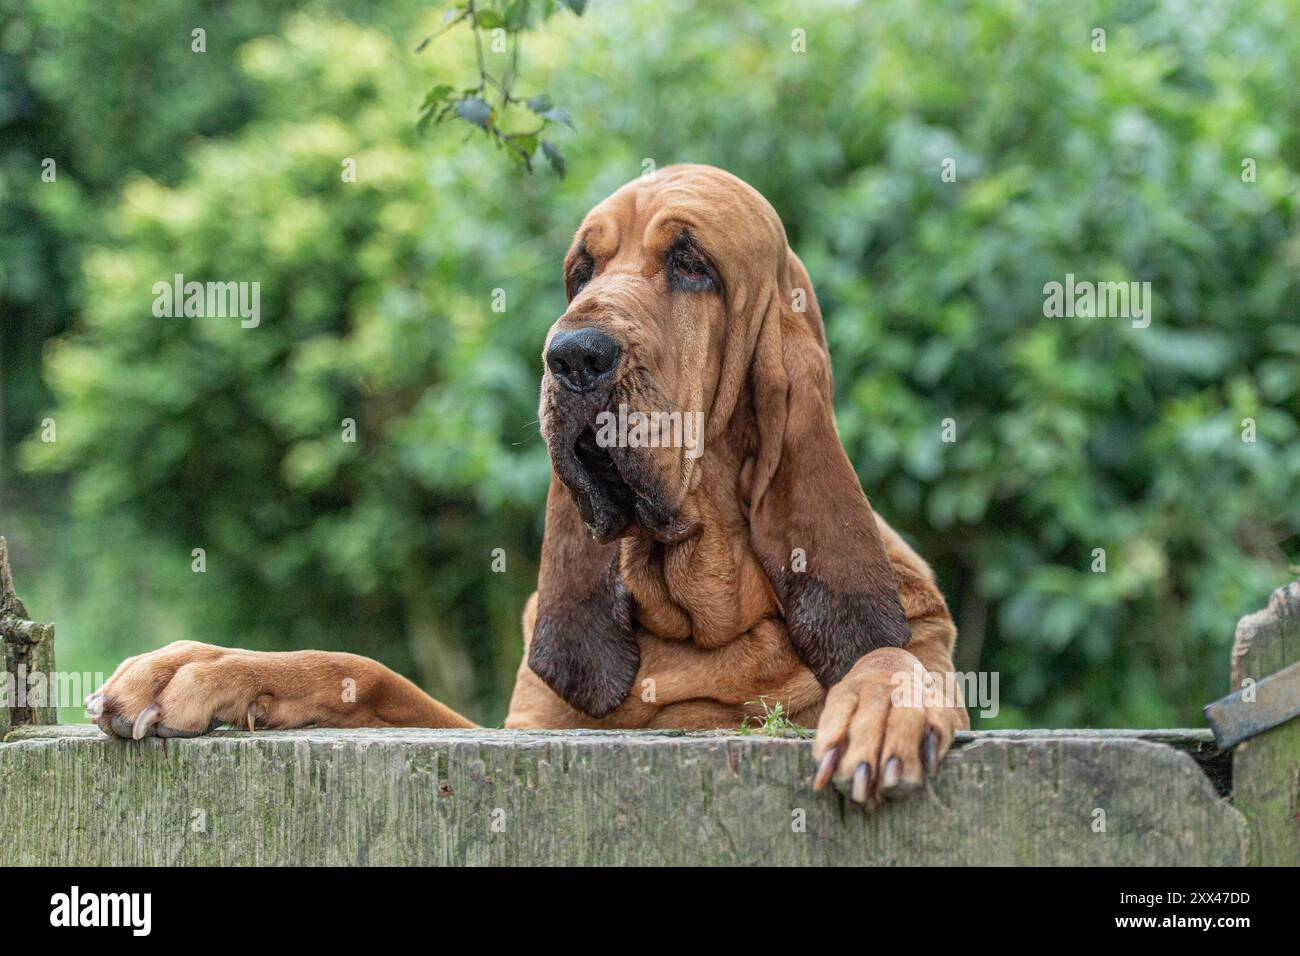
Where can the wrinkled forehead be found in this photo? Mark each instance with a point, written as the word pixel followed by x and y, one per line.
pixel 729 219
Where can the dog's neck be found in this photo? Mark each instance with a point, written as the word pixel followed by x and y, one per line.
pixel 708 588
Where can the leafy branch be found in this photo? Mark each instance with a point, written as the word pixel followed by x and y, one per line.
pixel 486 105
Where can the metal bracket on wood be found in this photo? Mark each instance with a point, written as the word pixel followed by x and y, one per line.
pixel 1256 708
pixel 28 650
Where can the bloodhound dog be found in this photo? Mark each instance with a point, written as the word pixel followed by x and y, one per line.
pixel 679 586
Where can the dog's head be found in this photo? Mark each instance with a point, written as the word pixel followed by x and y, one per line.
pixel 685 306
pixel 660 282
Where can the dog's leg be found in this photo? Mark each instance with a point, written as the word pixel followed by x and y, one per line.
pixel 188 688
pixel 892 717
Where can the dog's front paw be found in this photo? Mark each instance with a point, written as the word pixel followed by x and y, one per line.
pixel 884 727
pixel 176 691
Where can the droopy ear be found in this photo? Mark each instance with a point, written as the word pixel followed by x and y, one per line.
pixel 583 647
pixel 837 590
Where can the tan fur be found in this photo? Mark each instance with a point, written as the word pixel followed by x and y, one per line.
pixel 706 617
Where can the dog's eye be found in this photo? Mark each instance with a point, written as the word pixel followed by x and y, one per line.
pixel 579 274
pixel 689 270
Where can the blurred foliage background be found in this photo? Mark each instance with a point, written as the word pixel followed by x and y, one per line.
pixel 376 297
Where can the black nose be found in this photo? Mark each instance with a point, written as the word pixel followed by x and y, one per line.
pixel 581 358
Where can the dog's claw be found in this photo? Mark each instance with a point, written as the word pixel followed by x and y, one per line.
pixel 893 773
pixel 144 721
pixel 827 767
pixel 930 751
pixel 861 782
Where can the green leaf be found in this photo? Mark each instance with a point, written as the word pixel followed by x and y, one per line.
pixel 554 157
pixel 558 115
pixel 577 6
pixel 474 109
pixel 517 15
pixel 490 19
pixel 435 96
pixel 434 107
pixel 540 103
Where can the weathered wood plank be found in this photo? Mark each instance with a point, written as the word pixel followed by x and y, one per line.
pixel 1197 743
pixel 508 797
pixel 1266 768
pixel 26 649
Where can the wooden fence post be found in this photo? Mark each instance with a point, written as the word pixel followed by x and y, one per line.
pixel 1266 768
pixel 29 681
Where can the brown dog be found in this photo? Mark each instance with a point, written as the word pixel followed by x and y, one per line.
pixel 677 588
